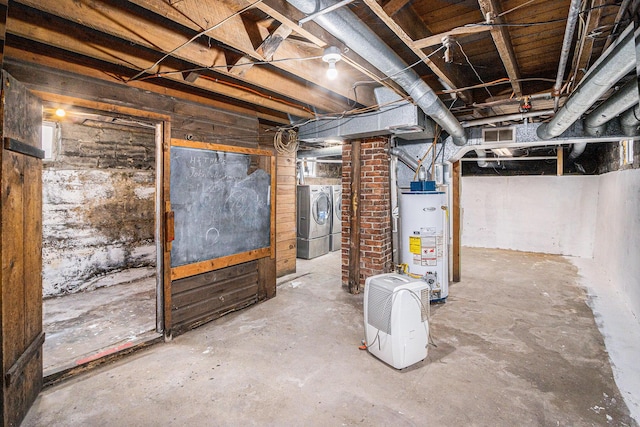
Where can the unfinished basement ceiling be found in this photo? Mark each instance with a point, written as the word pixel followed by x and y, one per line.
pixel 254 54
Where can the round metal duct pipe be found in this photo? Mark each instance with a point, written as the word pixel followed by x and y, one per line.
pixel 630 121
pixel 619 102
pixel 614 65
pixel 347 27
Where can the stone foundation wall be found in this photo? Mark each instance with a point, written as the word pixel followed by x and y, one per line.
pixel 98 205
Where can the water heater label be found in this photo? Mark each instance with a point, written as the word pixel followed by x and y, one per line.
pixel 414 245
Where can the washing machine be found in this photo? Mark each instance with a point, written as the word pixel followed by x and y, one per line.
pixel 335 238
pixel 314 220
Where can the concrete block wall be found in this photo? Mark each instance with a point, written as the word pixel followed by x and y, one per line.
pixel 98 205
pixel 375 208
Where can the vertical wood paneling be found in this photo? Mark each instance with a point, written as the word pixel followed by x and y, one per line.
pixel 20 253
pixel 286 245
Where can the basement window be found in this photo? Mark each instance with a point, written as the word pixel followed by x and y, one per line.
pixel 49 140
pixel 499 135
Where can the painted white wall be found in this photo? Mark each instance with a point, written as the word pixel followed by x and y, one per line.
pixel 585 216
pixel 617 238
pixel 550 214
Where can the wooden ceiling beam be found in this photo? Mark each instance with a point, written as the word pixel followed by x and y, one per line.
pixel 199 15
pixel 146 31
pixel 436 39
pixel 402 35
pixel 281 11
pixel 39 60
pixel 131 57
pixel 502 41
pixel 393 6
pixel 586 44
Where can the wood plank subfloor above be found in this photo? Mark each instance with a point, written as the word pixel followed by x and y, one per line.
pixel 517 344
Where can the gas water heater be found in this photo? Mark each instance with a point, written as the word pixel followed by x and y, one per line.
pixel 423 238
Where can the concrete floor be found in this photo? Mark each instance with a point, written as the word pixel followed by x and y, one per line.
pixel 83 326
pixel 517 345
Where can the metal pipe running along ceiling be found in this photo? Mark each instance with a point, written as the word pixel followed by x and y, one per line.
pixel 614 64
pixel 347 27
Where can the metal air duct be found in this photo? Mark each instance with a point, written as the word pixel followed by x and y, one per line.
pixel 347 27
pixel 320 152
pixel 405 158
pixel 630 121
pixel 572 18
pixel 614 64
pixel 619 102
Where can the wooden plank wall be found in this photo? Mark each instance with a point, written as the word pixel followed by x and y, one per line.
pixel 198 299
pixel 286 246
pixel 286 215
pixel 21 335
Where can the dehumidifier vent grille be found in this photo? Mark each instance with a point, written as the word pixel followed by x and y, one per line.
pixel 424 300
pixel 379 308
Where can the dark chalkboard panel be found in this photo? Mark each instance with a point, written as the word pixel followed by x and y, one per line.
pixel 222 204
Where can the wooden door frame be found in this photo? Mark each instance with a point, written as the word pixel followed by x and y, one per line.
pixel 162 209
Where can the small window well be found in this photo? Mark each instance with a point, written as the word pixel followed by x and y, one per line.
pixel 49 140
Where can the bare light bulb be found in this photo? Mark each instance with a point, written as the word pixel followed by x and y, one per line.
pixel 332 71
pixel 60 112
pixel 331 56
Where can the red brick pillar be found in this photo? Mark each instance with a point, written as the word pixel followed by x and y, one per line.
pixel 375 209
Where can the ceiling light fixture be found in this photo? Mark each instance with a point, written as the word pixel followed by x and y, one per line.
pixel 331 56
pixel 60 112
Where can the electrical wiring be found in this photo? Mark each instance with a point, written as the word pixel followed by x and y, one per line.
pixel 200 34
pixel 214 67
pixel 288 145
pixel 412 65
pixel 516 8
pixel 473 68
pixel 256 92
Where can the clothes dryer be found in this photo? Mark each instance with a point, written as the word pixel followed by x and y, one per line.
pixel 314 220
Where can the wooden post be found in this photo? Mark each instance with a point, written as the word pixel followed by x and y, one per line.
pixel 165 195
pixel 455 218
pixel 354 232
pixel 560 161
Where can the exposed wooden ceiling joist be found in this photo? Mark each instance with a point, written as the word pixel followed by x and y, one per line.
pixel 502 41
pixel 436 39
pixel 202 14
pixel 145 32
pixel 402 35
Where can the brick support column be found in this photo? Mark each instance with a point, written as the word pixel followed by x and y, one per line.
pixel 375 210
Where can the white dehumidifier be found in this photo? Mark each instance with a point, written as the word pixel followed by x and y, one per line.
pixel 396 325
